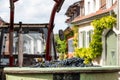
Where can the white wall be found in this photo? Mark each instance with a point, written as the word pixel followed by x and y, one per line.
pixel 86 7
pixel 39 46
pixel 97 5
pixel 32 46
pixel 93 7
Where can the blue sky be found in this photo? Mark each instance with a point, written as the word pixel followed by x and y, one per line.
pixel 36 11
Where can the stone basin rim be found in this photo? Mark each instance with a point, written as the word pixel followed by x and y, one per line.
pixel 28 70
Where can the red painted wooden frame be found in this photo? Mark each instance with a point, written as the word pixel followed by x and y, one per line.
pixel 56 8
pixel 11 30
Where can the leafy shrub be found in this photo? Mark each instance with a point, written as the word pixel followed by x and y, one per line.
pixel 95 46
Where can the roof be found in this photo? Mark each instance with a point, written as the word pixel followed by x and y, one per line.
pixel 27 25
pixel 62 1
pixel 1 21
pixel 71 9
pixel 100 11
pixel 67 30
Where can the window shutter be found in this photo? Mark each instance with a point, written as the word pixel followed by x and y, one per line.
pixel 84 39
pixel 90 35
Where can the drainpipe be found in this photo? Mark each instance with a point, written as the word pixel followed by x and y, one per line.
pixel 118 27
pixel 11 30
pixel 118 5
pixel 56 8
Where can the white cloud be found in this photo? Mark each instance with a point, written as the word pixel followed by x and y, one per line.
pixel 35 11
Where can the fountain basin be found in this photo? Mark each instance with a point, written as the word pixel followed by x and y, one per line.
pixel 62 73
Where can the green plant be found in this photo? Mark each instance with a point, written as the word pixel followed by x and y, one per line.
pixel 71 34
pixel 83 53
pixel 61 45
pixel 95 46
pixel 75 40
pixel 100 25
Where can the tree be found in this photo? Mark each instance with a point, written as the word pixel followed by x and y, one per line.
pixel 61 45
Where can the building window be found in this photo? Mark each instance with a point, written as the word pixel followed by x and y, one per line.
pixel 70 45
pixel 78 11
pixel 75 15
pixel 83 38
pixel 82 10
pixel 90 35
pixel 94 5
pixel 112 2
pixel 88 7
pixel 88 39
pixel 103 4
pixel 80 39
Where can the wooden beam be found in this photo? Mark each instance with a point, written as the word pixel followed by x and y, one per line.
pixel 20 46
pixel 11 30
